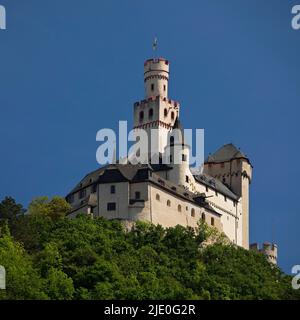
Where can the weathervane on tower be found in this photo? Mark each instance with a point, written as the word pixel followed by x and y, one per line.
pixel 154 45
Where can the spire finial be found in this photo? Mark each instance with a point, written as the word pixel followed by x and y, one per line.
pixel 155 43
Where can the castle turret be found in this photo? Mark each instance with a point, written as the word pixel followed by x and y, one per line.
pixel 233 168
pixel 156 77
pixel 177 154
pixel 270 250
pixel 156 111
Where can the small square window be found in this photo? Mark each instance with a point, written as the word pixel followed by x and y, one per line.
pixel 82 193
pixel 137 195
pixel 111 206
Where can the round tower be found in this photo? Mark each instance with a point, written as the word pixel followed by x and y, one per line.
pixel 177 155
pixel 156 77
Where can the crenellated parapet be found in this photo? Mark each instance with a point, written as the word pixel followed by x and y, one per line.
pixel 270 250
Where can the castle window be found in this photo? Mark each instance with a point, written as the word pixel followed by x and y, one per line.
pixel 216 193
pixel 179 208
pixel 157 197
pixel 169 203
pixel 187 179
pixel 82 193
pixel 212 221
pixel 137 195
pixel 203 216
pixel 94 188
pixel 111 206
pixel 234 203
pixel 193 212
pixel 225 198
pixel 141 116
pixel 172 115
pixel 71 198
pixel 164 87
pixel 151 113
pixel 165 113
pixel 171 141
pixel 171 159
pixel 112 189
pixel 184 157
pixel 152 86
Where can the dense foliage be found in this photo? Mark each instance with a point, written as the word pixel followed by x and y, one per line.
pixel 48 256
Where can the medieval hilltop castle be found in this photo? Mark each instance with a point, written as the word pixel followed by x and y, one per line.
pixel 170 194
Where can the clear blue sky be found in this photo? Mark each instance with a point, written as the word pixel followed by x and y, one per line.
pixel 69 68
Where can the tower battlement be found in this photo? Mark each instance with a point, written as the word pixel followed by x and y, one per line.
pixel 156 77
pixel 270 250
pixel 143 102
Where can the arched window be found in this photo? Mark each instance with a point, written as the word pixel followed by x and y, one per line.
pixel 157 197
pixel 165 112
pixel 212 221
pixel 141 115
pixel 203 216
pixel 169 203
pixel 179 208
pixel 193 212
pixel 171 141
pixel 150 113
pixel 172 115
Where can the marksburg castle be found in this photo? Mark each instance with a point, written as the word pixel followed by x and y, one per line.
pixel 170 193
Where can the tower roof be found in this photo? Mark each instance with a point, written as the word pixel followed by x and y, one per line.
pixel 226 153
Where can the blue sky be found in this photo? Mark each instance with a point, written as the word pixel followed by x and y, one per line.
pixel 69 68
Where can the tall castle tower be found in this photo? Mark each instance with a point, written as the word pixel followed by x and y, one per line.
pixel 233 168
pixel 156 111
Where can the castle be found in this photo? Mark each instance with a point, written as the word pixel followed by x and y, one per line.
pixel 170 193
